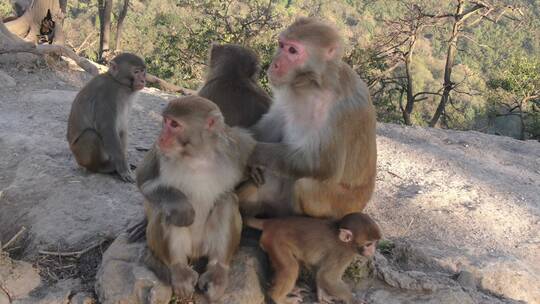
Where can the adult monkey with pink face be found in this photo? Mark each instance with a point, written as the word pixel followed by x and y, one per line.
pixel 98 123
pixel 318 137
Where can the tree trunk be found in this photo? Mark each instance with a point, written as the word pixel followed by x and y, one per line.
pixel 59 37
pixel 450 58
pixel 409 106
pixel 120 25
pixel 27 26
pixel 9 41
pixel 105 9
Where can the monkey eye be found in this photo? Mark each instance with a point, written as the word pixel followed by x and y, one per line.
pixel 174 124
pixel 292 50
pixel 281 45
pixel 368 244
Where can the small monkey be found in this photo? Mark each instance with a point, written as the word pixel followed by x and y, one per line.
pixel 98 123
pixel 188 180
pixel 231 83
pixel 318 138
pixel 328 246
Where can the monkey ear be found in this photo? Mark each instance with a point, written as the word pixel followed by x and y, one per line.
pixel 345 235
pixel 331 52
pixel 215 122
pixel 113 68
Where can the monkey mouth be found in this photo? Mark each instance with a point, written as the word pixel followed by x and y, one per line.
pixel 138 87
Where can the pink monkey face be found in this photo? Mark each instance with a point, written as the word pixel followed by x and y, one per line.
pixel 171 131
pixel 290 56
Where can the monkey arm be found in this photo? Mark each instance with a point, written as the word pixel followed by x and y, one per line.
pixel 171 202
pixel 269 128
pixel 112 141
pixel 278 157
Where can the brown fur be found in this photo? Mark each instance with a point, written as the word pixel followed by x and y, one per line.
pixel 98 123
pixel 319 133
pixel 232 84
pixel 190 208
pixel 317 244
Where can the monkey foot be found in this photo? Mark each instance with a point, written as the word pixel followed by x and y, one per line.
pixel 299 291
pixel 213 282
pixel 293 299
pixel 183 280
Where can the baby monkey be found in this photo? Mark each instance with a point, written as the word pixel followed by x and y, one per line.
pixel 329 246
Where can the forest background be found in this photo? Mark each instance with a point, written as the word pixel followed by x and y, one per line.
pixel 457 64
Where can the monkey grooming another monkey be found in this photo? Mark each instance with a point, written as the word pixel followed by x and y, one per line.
pixel 319 131
pixel 328 246
pixel 98 123
pixel 188 181
pixel 231 83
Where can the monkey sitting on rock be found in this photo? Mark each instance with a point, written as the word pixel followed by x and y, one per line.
pixel 329 246
pixel 98 123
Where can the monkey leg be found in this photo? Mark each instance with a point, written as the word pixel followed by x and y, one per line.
pixel 328 199
pixel 171 246
pixel 183 277
pixel 273 198
pixel 330 286
pixel 223 229
pixel 247 195
pixel 90 153
pixel 286 271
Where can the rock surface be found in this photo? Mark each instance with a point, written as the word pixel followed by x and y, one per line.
pixel 122 279
pixel 451 201
pixel 17 279
pixel 7 80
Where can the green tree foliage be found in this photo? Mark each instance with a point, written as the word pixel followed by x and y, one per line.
pixel 5 9
pixel 174 37
pixel 515 90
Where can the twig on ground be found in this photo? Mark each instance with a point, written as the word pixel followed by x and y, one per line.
pixel 394 174
pixel 76 254
pixel 14 238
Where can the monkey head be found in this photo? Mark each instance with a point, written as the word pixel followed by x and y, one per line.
pixel 305 47
pixel 191 125
pixel 360 232
pixel 232 59
pixel 129 70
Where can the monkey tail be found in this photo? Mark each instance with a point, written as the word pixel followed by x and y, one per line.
pixel 254 223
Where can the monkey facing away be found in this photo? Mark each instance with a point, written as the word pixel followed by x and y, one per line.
pixel 98 123
pixel 231 83
pixel 188 181
pixel 319 131
pixel 327 246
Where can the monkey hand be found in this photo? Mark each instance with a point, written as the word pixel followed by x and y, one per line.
pixel 179 214
pixel 261 156
pixel 256 174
